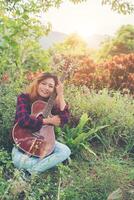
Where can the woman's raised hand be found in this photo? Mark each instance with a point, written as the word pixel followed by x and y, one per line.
pixel 59 89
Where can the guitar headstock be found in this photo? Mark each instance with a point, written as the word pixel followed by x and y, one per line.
pixel 64 66
pixel 66 73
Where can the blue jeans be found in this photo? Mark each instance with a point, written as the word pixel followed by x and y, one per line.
pixel 35 165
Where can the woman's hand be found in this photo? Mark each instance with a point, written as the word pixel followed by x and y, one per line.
pixel 60 96
pixel 54 120
pixel 59 89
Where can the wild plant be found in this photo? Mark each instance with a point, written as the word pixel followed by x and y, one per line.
pixel 77 137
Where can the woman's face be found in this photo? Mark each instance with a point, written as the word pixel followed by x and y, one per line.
pixel 46 87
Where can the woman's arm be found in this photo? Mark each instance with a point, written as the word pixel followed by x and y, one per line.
pixel 23 117
pixel 62 109
pixel 55 120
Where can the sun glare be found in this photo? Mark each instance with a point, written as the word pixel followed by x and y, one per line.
pixel 85 19
pixel 86 32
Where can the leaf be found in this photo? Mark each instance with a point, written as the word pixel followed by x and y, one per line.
pixel 88 149
pixel 25 16
pixel 117 194
pixel 83 136
pixel 79 128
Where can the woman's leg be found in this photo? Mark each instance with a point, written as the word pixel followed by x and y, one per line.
pixel 35 165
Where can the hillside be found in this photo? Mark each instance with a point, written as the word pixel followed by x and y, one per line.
pixel 52 38
pixel 93 41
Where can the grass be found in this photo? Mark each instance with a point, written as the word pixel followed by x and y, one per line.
pixel 91 179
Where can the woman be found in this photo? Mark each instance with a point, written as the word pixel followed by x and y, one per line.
pixel 41 89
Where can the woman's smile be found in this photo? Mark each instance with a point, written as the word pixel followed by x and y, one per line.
pixel 46 87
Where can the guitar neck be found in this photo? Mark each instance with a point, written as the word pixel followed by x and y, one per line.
pixel 49 107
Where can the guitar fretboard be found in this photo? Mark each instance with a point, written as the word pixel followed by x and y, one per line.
pixel 49 107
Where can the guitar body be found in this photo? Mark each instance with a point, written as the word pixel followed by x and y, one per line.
pixel 39 144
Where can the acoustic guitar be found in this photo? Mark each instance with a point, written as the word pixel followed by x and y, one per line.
pixel 42 142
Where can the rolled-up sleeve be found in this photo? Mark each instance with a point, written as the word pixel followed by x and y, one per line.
pixel 23 117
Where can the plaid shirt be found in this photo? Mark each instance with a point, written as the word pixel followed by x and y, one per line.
pixel 24 119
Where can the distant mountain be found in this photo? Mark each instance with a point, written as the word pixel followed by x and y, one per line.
pixel 52 38
pixel 93 41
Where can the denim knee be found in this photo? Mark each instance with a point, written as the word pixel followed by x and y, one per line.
pixel 67 151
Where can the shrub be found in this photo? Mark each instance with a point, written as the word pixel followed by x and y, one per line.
pixel 8 99
pixel 117 73
pixel 104 108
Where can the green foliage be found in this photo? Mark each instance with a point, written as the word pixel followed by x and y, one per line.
pixel 6 171
pixel 104 108
pixel 15 186
pixel 8 99
pixel 77 137
pixel 98 181
pixel 35 6
pixel 78 180
pixel 125 39
pixel 34 57
pixel 19 46
pixel 5 159
pixel 120 6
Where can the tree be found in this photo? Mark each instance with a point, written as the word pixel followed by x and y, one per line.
pixel 72 45
pixel 121 6
pixel 19 39
pixel 122 43
pixel 19 33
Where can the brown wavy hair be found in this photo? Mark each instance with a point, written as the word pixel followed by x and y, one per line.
pixel 33 87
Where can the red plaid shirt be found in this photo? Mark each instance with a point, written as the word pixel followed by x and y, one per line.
pixel 24 119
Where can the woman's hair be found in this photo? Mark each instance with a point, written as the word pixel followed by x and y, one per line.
pixel 33 87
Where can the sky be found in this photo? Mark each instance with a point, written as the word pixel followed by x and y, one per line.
pixel 86 19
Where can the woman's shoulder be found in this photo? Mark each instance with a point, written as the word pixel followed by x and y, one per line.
pixel 24 96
